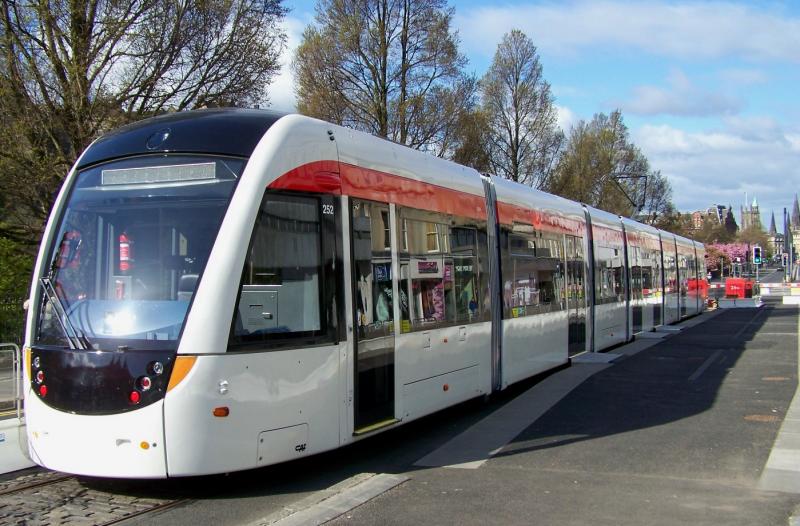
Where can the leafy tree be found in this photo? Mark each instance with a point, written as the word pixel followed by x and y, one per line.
pixel 754 236
pixel 471 146
pixel 603 168
pixel 15 276
pixel 73 69
pixel 672 221
pixel 730 222
pixel 524 138
pixel 713 231
pixel 657 200
pixel 715 258
pixel 387 67
pixel 730 252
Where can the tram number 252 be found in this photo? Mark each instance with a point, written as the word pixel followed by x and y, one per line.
pixel 327 210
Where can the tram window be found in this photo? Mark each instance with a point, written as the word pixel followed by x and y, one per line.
pixel 282 281
pixel 463 243
pixel 429 276
pixel 532 270
pixel 683 273
pixel 651 272
pixel 670 272
pixel 575 270
pixel 636 256
pixel 647 279
pixel 441 279
pixel 610 286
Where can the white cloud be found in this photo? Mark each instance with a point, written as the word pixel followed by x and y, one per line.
pixel 682 98
pixel 794 142
pixel 743 76
pixel 281 92
pixel 756 128
pixel 720 166
pixel 566 118
pixel 684 30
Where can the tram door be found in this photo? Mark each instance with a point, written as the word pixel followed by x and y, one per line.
pixel 374 315
pixel 576 296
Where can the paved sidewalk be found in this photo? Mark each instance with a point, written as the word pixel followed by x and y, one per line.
pixel 676 431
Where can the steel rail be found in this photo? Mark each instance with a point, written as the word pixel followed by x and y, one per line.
pixel 23 487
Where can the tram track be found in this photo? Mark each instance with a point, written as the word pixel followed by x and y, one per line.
pixel 46 497
pixel 15 488
pixel 161 507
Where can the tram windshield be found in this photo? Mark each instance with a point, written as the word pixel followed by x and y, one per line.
pixel 130 248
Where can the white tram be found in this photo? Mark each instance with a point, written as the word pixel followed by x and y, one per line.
pixel 225 289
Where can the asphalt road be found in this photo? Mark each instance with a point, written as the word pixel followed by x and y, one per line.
pixel 771 276
pixel 677 434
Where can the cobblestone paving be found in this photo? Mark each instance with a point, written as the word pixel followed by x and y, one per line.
pixel 69 501
pixel 10 482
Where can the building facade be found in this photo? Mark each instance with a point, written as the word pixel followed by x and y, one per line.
pixel 751 217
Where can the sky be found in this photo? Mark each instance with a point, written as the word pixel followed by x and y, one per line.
pixel 710 91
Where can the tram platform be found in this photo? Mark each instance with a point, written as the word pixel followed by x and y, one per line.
pixel 699 427
pixel 13 442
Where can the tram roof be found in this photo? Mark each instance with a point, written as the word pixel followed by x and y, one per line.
pixel 221 131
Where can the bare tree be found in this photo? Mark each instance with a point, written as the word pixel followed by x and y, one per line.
pixel 524 138
pixel 75 68
pixel 388 67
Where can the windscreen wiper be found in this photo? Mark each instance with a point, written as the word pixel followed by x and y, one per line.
pixel 76 340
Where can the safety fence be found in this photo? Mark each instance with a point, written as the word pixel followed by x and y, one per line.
pixel 10 380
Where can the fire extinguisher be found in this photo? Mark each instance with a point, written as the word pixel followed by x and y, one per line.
pixel 69 250
pixel 125 253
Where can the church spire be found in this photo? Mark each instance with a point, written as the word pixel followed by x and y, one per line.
pixel 773 231
pixel 796 213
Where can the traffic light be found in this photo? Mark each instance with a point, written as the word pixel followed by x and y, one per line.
pixel 757 255
pixel 784 260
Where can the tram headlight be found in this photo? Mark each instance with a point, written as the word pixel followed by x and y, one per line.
pixel 39 377
pixel 37 362
pixel 156 368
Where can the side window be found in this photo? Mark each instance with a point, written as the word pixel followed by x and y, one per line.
pixel 442 279
pixel 575 270
pixel 532 271
pixel 647 272
pixel 610 286
pixel 283 297
pixel 670 273
pixel 654 276
pixel 466 276
pixel 427 274
pixel 683 273
pixel 637 273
